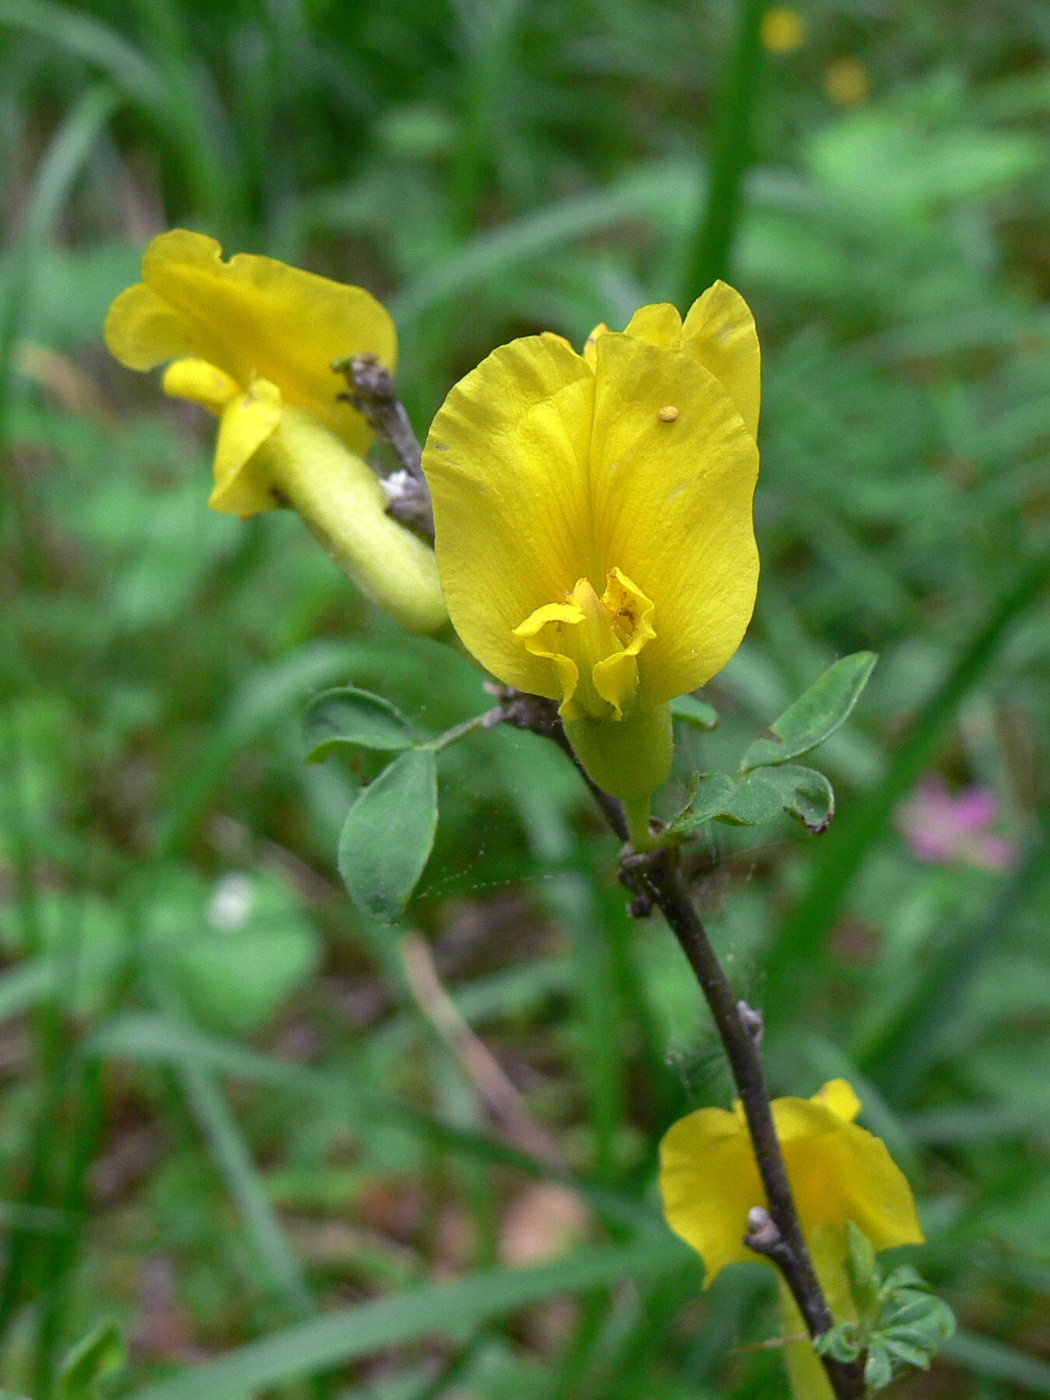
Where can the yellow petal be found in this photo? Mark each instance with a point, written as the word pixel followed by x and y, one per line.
pixel 671 505
pixel 242 483
pixel 142 330
pixel 709 1182
pixel 659 324
pixel 838 1172
pixel 253 318
pixel 720 332
pixel 588 348
pixel 846 1173
pixel 507 462
pixel 840 1096
pixel 201 382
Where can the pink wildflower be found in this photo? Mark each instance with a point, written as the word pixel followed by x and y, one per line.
pixel 945 829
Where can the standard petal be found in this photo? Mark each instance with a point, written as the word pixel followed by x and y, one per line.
pixel 840 1172
pixel 506 460
pixel 719 331
pixel 671 503
pixel 242 484
pixel 840 1096
pixel 658 324
pixel 709 1182
pixel 253 317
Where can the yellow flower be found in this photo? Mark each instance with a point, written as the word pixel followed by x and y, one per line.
pixel 838 1172
pixel 593 517
pixel 846 82
pixel 782 31
pixel 253 340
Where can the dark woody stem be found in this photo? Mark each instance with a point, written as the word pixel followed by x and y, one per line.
pixel 372 391
pixel 655 878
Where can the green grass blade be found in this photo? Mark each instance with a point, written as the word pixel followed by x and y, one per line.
pixel 572 899
pixel 641 194
pixel 731 154
pixel 245 1185
pixel 907 1048
pixel 55 177
pixel 90 39
pixel 985 1357
pixel 267 696
pixel 847 844
pixel 455 1307
pixel 148 1038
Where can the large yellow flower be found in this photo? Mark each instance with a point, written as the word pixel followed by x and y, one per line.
pixel 709 1180
pixel 253 340
pixel 593 517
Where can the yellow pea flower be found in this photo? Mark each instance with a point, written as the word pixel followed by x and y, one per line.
pixel 253 340
pixel 594 527
pixel 709 1181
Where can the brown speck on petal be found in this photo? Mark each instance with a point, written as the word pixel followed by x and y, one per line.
pixel 668 414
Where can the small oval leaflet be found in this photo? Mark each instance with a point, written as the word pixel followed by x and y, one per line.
pixel 751 799
pixel 697 714
pixel 815 715
pixel 388 836
pixel 346 715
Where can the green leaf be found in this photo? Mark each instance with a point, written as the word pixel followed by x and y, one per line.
pixel 805 795
pixel 911 1354
pixel 336 1338
pixel 758 797
pixel 346 715
pixel 815 715
pixel 697 714
pixel 387 838
pixel 841 1343
pixel 878 1369
pixel 235 950
pixel 98 1355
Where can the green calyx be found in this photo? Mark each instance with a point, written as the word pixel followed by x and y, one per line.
pixel 628 758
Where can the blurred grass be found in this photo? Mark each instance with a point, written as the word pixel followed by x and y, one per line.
pixel 221 1103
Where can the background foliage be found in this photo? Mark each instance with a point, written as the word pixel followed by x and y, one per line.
pixel 239 1120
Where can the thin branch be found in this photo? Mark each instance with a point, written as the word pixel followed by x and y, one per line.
pixel 655 878
pixel 776 1232
pixel 372 391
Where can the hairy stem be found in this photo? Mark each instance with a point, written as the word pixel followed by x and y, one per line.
pixel 372 391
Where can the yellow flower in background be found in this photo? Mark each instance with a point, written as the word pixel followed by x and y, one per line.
pixel 846 82
pixel 782 31
pixel 594 521
pixel 253 340
pixel 838 1172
